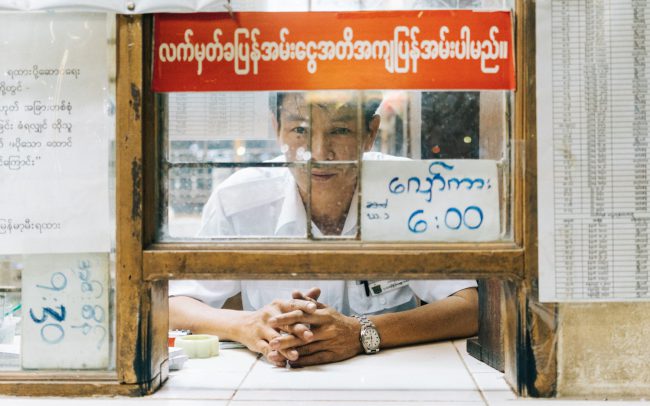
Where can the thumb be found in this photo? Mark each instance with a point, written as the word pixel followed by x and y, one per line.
pixel 312 294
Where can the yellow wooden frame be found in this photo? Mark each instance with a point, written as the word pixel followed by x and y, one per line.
pixel 144 267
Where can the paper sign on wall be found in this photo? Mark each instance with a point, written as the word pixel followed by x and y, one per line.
pixel 54 130
pixel 451 200
pixel 65 322
pixel 593 144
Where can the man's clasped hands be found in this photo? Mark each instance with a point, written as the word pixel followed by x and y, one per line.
pixel 301 331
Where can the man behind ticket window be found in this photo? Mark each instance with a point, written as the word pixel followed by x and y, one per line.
pixel 292 320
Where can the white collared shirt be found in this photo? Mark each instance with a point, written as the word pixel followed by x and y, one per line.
pixel 264 202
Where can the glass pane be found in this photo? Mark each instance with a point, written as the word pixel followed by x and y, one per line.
pixel 219 127
pixel 215 133
pixel 57 221
pixel 319 138
pixel 243 202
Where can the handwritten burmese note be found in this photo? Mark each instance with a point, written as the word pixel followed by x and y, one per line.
pixel 65 322
pixel 54 129
pixel 431 200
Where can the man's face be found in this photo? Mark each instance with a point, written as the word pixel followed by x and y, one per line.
pixel 332 122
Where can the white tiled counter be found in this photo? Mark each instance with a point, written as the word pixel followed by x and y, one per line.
pixel 432 374
pixel 210 378
pixel 424 373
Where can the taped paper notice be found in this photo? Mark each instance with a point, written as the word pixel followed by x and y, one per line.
pixel 65 321
pixel 54 130
pixel 452 200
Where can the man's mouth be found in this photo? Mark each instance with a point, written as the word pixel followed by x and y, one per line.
pixel 319 176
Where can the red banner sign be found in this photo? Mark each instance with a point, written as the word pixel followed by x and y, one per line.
pixel 435 49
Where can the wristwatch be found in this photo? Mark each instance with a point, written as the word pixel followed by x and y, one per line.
pixel 369 336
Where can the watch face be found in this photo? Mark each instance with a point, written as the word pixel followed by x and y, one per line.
pixel 370 339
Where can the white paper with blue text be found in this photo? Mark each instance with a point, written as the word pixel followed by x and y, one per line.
pixel 434 200
pixel 65 323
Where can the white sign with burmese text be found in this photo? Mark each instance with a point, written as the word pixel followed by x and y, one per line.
pixel 54 128
pixel 431 200
pixel 65 322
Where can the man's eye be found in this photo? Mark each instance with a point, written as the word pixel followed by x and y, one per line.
pixel 299 130
pixel 341 131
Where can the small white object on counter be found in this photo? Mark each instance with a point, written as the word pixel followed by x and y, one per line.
pixel 199 345
pixel 177 358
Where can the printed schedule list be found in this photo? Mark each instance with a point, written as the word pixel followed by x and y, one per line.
pixel 593 150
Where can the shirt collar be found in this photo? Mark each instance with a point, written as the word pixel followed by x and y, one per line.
pixel 292 218
pixel 350 226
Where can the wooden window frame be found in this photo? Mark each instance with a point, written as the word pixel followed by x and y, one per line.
pixel 144 266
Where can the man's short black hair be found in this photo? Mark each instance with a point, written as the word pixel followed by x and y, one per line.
pixel 370 104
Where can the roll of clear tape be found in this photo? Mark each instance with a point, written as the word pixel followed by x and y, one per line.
pixel 199 345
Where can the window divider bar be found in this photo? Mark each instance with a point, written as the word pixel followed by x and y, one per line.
pixel 360 263
pixel 201 165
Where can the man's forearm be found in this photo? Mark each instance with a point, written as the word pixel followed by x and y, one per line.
pixel 191 314
pixel 452 317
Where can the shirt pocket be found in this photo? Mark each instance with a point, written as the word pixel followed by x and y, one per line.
pixel 362 304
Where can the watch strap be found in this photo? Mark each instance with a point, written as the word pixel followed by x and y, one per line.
pixel 365 322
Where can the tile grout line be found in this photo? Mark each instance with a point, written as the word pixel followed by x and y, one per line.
pixel 471 375
pixel 259 356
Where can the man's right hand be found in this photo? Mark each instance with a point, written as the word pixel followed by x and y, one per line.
pixel 256 333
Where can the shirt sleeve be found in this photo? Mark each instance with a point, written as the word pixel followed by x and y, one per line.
pixel 213 293
pixel 432 290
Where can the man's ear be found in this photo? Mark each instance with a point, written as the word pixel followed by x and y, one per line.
pixel 373 128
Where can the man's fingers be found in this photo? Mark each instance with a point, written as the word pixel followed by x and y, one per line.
pixel 287 352
pixel 301 331
pixel 286 306
pixel 306 306
pixel 290 354
pixel 313 293
pixel 296 336
pixel 274 355
pixel 276 358
pixel 312 296
pixel 285 342
pixel 262 347
pixel 295 313
pixel 312 348
pixel 287 319
pixel 296 294
pixel 316 358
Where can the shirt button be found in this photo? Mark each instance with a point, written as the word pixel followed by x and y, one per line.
pixel 382 300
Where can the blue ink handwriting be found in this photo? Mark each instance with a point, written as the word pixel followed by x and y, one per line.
pixel 436 182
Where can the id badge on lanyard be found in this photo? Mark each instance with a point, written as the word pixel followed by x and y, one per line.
pixel 374 288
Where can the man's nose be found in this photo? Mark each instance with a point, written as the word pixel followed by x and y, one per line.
pixel 321 147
